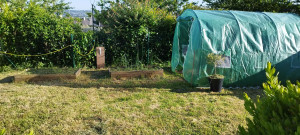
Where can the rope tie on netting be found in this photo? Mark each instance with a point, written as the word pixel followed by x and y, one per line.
pixel 83 55
pixel 35 55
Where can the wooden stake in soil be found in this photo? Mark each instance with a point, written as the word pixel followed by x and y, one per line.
pixel 100 52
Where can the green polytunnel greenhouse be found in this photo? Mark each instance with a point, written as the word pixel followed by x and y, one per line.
pixel 246 41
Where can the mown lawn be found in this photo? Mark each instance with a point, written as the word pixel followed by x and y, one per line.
pixel 98 105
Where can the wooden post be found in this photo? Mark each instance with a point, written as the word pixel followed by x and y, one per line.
pixel 100 52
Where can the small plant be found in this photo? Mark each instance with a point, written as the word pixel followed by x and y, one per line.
pixel 5 68
pixel 140 66
pixel 216 76
pixel 124 61
pixel 40 65
pixel 215 60
pixel 278 112
pixel 215 80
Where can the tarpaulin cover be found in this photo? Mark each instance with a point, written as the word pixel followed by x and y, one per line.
pixel 247 41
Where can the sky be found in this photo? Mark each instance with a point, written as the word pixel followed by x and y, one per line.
pixel 86 4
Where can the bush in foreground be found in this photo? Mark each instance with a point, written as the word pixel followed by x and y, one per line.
pixel 278 112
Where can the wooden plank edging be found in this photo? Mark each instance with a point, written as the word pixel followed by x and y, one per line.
pixel 136 74
pixel 45 77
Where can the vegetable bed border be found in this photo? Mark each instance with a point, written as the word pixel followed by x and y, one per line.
pixel 45 77
pixel 136 74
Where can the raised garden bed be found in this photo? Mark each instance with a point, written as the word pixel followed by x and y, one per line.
pixel 136 74
pixel 97 74
pixel 35 75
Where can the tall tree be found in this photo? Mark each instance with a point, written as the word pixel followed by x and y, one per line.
pixel 52 6
pixel 172 6
pixel 291 6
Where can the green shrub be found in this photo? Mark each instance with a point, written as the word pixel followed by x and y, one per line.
pixel 32 29
pixel 37 27
pixel 277 112
pixel 135 30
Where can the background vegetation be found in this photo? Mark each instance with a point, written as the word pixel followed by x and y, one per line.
pixel 291 6
pixel 138 31
pixel 135 31
pixel 38 27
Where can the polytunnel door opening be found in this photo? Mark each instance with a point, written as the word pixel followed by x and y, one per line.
pixel 184 37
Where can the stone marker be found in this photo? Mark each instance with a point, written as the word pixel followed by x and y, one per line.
pixel 100 51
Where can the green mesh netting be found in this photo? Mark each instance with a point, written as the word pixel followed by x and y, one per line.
pixel 247 40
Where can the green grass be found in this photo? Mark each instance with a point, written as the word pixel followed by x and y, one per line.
pixel 98 105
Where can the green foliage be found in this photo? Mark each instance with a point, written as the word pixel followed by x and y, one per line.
pixel 216 76
pixel 256 5
pixel 85 53
pixel 5 68
pixel 278 112
pixel 136 29
pixel 53 6
pixel 37 27
pixel 192 6
pixel 2 131
pixel 215 60
pixel 172 6
pixel 33 30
